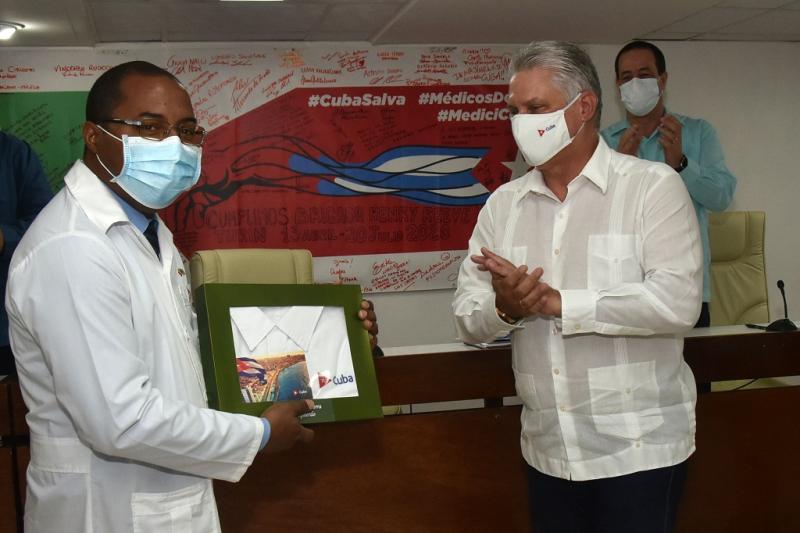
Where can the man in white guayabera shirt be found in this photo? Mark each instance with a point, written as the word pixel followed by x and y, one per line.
pixel 593 260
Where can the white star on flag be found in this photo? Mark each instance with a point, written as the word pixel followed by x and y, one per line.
pixel 518 167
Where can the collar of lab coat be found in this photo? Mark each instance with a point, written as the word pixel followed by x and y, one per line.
pixel 94 197
pixel 100 203
pixel 298 323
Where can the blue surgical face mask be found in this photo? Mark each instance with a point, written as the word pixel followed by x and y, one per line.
pixel 154 173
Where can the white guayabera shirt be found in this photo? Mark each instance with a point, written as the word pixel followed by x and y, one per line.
pixel 605 389
pixel 318 332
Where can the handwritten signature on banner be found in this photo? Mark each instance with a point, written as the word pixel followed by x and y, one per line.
pixel 483 64
pixel 8 87
pixel 291 59
pixel 13 72
pixel 395 273
pixel 211 93
pixel 425 80
pixel 278 86
pixel 391 76
pixel 339 270
pixel 351 60
pixel 34 126
pixel 243 88
pixel 79 70
pixel 391 275
pixel 436 63
pixel 179 65
pixel 391 55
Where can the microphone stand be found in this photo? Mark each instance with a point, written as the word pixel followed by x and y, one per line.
pixel 782 324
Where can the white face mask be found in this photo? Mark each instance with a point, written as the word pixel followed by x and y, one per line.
pixel 640 95
pixel 541 136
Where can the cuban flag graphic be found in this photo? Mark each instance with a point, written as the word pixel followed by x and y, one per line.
pixel 364 180
pixel 438 175
pixel 429 175
pixel 250 368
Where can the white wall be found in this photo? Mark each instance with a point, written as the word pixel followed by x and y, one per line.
pixel 748 92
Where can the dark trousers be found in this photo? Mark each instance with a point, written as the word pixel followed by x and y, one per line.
pixel 643 502
pixel 7 366
pixel 703 322
pixel 705 317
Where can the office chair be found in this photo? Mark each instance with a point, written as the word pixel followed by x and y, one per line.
pixel 738 278
pixel 738 273
pixel 251 265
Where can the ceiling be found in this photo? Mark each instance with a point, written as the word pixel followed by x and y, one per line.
pixel 91 22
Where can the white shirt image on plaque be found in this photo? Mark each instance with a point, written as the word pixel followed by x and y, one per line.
pixel 319 332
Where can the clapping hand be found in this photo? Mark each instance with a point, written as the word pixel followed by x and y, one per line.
pixel 517 292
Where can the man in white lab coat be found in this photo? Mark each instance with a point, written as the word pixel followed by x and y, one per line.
pixel 103 332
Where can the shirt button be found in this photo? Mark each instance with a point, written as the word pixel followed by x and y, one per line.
pixel 627 391
pixel 556 251
pixel 563 407
pixel 577 327
pixel 556 371
pixel 638 444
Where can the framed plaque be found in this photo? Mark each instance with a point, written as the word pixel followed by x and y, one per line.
pixel 262 344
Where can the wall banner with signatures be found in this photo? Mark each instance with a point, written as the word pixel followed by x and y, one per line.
pixel 377 159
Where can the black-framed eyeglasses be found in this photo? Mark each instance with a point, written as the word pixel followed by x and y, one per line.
pixel 158 130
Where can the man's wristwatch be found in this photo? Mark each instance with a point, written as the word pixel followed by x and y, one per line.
pixel 505 317
pixel 683 164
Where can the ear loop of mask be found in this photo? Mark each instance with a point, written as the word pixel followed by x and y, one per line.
pixel 113 177
pixel 565 116
pixel 577 132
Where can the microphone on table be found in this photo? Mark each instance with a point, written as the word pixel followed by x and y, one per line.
pixel 782 324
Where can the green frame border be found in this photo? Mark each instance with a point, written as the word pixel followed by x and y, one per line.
pixel 213 302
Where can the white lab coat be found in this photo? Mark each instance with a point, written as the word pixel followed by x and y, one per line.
pixel 105 343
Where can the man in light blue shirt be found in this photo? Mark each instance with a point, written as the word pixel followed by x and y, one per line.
pixel 689 145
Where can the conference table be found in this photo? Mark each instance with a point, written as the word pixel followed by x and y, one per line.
pixel 461 469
